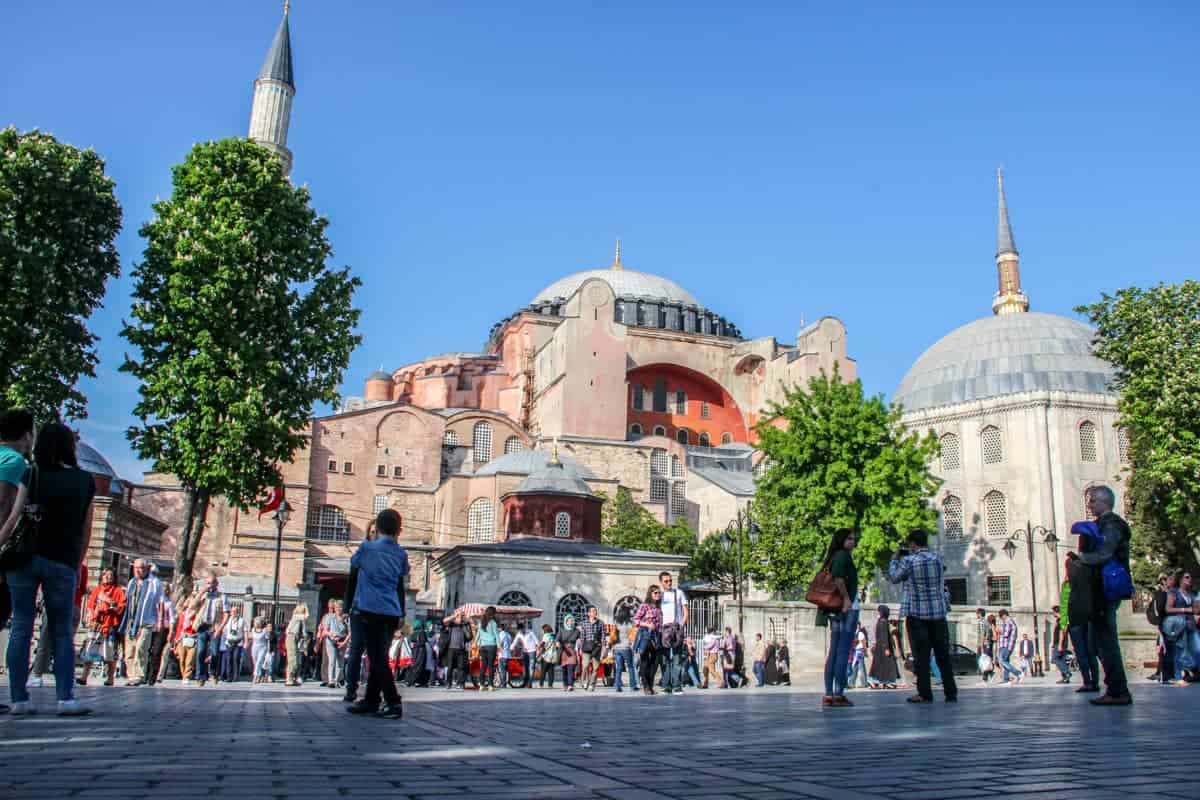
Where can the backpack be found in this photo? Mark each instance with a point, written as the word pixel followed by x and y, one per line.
pixel 1118 583
pixel 1154 614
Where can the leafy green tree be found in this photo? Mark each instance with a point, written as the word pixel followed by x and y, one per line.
pixel 59 220
pixel 715 561
pixel 241 326
pixel 1152 339
pixel 837 459
pixel 625 523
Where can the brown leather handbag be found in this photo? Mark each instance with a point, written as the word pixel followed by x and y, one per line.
pixel 823 592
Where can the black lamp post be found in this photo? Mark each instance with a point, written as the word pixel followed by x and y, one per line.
pixel 736 531
pixel 281 517
pixel 1010 549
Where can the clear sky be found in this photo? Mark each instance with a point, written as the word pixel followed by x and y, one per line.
pixel 780 160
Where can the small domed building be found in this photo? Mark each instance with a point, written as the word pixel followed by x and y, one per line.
pixel 1027 422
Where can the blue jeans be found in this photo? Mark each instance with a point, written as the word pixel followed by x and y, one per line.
pixel 842 628
pixel 58 594
pixel 672 667
pixel 692 673
pixel 623 660
pixel 760 672
pixel 231 663
pixel 206 644
pixel 358 642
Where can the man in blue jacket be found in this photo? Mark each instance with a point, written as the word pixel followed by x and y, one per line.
pixel 1114 545
pixel 378 580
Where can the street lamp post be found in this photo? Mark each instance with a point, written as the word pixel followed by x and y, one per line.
pixel 736 531
pixel 1010 548
pixel 281 516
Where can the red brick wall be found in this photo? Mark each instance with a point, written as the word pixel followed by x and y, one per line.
pixel 724 414
pixel 533 515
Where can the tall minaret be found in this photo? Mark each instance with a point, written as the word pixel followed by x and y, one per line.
pixel 273 92
pixel 1009 298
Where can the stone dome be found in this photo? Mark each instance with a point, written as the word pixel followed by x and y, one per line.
pixel 1003 355
pixel 380 375
pixel 553 478
pixel 90 460
pixel 625 282
pixel 527 462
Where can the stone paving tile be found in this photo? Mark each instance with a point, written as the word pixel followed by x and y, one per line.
pixel 171 743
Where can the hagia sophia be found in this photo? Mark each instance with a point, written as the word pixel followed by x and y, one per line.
pixel 499 461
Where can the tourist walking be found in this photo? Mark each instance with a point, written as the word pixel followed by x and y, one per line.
pixel 711 644
pixel 758 656
pixel 504 643
pixel 728 647
pixel 332 635
pixel 1179 628
pixel 648 621
pixel 548 654
pixel 1025 653
pixel 1060 644
pixel 1115 536
pixel 260 650
pixel 858 661
pixel 924 607
pixel 569 638
pixel 885 672
pixel 843 624
pixel 692 665
pixel 235 641
pixel 103 612
pixel 143 616
pixel 1156 615
pixel 529 652
pixel 674 623
pixel 183 640
pixel 157 666
pixel 295 636
pixel 56 495
pixel 456 635
pixel 1008 646
pixel 377 586
pixel 488 639
pixel 214 611
pixel 592 633
pixel 622 650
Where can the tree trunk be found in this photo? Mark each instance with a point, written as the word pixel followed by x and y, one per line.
pixel 189 541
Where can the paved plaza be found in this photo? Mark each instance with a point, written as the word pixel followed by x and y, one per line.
pixel 264 742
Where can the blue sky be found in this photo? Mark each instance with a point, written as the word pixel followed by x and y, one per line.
pixel 780 160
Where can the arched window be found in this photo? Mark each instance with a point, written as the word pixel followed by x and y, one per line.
pixel 562 525
pixel 1123 444
pixel 481 442
pixel 995 513
pixel 993 447
pixel 513 444
pixel 635 430
pixel 726 438
pixel 659 430
pixel 681 436
pixel 481 522
pixel 625 608
pixel 450 439
pixel 952 517
pixel 705 441
pixel 1087 441
pixel 574 604
pixel 659 462
pixel 676 467
pixel 681 402
pixel 327 524
pixel 951 457
pixel 514 598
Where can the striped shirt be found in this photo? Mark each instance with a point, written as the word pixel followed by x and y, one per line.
pixel 1008 634
pixel 924 586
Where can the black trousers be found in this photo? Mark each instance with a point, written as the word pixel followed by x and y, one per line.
pixel 647 666
pixel 378 630
pixel 456 667
pixel 157 642
pixel 925 635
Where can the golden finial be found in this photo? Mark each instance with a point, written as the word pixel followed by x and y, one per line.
pixel 287 6
pixel 617 257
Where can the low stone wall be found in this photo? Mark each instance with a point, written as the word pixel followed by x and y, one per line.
pixel 795 622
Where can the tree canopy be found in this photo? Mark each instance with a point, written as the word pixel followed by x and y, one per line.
pixel 59 220
pixel 241 327
pixel 625 523
pixel 1152 339
pixel 836 459
pixel 715 561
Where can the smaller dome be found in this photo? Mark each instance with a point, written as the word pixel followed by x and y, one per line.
pixel 553 478
pixel 527 462
pixel 380 375
pixel 90 460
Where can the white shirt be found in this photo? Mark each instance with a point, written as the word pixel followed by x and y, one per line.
pixel 530 642
pixel 674 601
pixel 860 641
pixel 235 630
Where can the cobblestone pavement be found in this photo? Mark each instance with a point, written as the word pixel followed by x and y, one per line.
pixel 266 742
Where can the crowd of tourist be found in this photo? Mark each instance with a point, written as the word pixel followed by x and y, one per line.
pixel 139 632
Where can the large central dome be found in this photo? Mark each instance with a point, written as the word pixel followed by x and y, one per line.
pixel 624 282
pixel 1003 355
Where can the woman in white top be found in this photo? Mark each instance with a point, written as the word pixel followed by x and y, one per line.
pixel 260 651
pixel 234 639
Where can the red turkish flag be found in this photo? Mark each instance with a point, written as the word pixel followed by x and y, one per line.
pixel 274 500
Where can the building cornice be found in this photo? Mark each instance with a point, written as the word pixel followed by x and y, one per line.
pixel 999 406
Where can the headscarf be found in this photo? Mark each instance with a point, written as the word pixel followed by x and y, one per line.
pixel 569 620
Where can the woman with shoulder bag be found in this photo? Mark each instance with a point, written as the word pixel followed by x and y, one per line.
pixel 568 638
pixel 60 494
pixel 1180 627
pixel 103 612
pixel 548 652
pixel 487 638
pixel 843 623
pixel 648 621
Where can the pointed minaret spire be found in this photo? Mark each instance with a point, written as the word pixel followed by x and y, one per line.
pixel 617 257
pixel 273 93
pixel 1009 298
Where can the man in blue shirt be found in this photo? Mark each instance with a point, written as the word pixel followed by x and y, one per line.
pixel 378 579
pixel 924 606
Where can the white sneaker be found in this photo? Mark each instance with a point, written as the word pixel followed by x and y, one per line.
pixel 187 681
pixel 22 707
pixel 34 682
pixel 72 708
